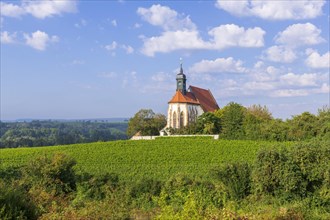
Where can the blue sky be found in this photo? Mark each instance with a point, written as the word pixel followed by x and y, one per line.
pixel 102 59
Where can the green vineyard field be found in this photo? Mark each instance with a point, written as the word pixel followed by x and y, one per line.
pixel 158 159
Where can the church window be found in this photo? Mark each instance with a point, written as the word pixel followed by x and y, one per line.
pixel 181 120
pixel 174 120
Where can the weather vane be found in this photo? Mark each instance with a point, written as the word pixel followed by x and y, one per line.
pixel 181 61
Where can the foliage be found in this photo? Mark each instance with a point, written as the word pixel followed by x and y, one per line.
pixel 302 126
pixel 232 118
pixel 236 177
pixel 49 133
pixel 295 173
pixel 208 123
pixel 55 174
pixel 288 182
pixel 15 202
pixel 146 122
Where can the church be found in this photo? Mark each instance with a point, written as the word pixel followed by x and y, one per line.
pixel 187 104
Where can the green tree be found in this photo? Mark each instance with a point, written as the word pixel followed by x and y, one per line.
pixel 302 127
pixel 146 122
pixel 255 117
pixel 208 123
pixel 323 123
pixel 232 117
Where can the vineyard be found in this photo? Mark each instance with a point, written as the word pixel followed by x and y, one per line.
pixel 157 159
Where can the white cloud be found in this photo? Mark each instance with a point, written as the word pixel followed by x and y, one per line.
pixel 274 10
pixel 218 66
pixel 253 86
pixel 114 23
pixel 111 46
pixel 7 38
pixel 306 79
pixel 128 49
pixel 315 60
pixel 323 89
pixel 172 40
pixel 231 35
pixel 299 35
pixel 39 9
pixel 222 37
pixel 280 54
pixel 166 18
pixel 39 40
pixel 289 93
pixel 11 10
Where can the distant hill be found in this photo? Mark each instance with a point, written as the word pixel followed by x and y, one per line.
pixel 70 120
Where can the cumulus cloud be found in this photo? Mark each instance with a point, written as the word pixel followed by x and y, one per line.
pixel 289 93
pixel 273 10
pixel 39 40
pixel 218 66
pixel 181 33
pixel 299 35
pixel 279 54
pixel 7 38
pixel 172 40
pixel 231 35
pixel 11 10
pixel 315 60
pixel 166 18
pixel 306 79
pixel 222 37
pixel 38 9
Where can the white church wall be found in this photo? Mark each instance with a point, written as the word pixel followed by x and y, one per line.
pixel 187 110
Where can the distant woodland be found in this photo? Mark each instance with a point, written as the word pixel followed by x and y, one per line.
pixel 49 133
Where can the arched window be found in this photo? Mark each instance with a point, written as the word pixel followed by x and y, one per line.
pixel 174 120
pixel 181 120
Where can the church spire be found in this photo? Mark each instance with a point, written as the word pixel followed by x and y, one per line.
pixel 181 70
pixel 181 80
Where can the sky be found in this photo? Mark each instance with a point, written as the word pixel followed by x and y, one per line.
pixel 104 59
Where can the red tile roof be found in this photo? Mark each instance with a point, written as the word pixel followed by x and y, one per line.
pixel 198 96
pixel 205 98
pixel 180 98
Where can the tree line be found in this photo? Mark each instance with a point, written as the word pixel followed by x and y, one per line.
pixel 236 122
pixel 49 133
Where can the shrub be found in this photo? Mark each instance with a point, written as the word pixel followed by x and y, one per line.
pixel 96 187
pixel 55 173
pixel 236 177
pixel 15 203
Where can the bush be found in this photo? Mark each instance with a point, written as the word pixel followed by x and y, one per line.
pixel 236 177
pixel 15 203
pixel 55 174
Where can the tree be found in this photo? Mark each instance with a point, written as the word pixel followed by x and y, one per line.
pixel 302 127
pixel 232 116
pixel 146 122
pixel 255 117
pixel 208 123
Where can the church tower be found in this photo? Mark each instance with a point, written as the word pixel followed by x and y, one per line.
pixel 181 81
